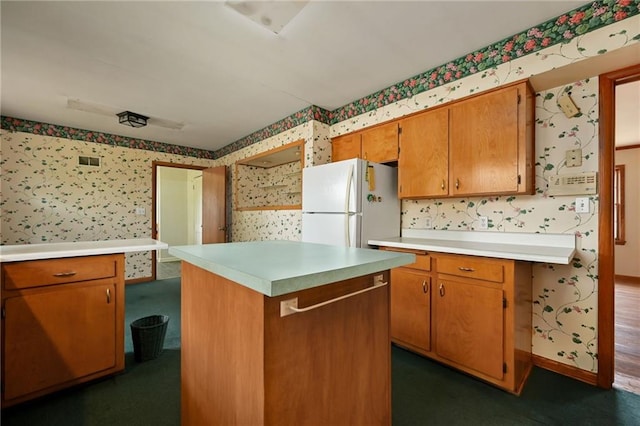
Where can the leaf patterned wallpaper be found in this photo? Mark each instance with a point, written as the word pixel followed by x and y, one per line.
pixel 564 296
pixel 47 197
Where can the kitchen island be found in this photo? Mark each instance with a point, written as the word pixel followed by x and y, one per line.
pixel 284 332
pixel 63 314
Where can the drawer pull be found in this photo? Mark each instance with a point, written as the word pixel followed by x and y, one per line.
pixel 424 286
pixel 108 295
pixel 441 289
pixel 65 274
pixel 462 268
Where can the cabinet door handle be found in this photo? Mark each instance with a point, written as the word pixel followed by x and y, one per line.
pixel 442 186
pixel 462 268
pixel 441 289
pixel 65 274
pixel 108 295
pixel 424 286
pixel 457 183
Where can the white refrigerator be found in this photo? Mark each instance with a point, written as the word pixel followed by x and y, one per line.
pixel 349 202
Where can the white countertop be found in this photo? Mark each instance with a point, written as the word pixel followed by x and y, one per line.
pixel 274 268
pixel 15 253
pixel 545 248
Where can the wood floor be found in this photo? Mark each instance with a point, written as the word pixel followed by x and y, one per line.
pixel 627 336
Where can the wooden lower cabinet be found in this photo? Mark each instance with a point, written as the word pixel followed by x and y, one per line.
pixel 477 317
pixel 469 326
pixel 62 324
pixel 411 303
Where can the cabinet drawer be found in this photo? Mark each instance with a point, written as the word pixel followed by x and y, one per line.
pixel 36 273
pixel 423 260
pixel 470 267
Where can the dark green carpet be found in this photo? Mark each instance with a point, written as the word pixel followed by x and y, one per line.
pixel 424 392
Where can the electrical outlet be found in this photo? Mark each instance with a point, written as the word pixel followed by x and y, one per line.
pixel 141 211
pixel 582 205
pixel 427 223
pixel 483 222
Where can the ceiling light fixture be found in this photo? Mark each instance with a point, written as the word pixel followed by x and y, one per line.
pixel 132 119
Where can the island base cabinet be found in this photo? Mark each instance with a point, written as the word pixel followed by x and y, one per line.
pixel 243 363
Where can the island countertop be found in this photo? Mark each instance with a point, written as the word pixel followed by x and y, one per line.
pixel 546 248
pixel 19 252
pixel 274 268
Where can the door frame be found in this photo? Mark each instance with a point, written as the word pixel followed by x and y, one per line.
pixel 606 246
pixel 154 201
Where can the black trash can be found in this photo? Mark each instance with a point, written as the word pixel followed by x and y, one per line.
pixel 148 336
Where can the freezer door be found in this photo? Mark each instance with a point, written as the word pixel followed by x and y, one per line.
pixel 333 187
pixel 331 229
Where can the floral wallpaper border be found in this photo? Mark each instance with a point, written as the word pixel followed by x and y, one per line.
pixel 561 29
pixel 554 31
pixel 45 129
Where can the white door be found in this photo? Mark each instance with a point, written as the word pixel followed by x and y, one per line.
pixel 332 229
pixel 197 210
pixel 332 187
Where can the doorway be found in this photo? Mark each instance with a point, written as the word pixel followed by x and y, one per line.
pixel 178 214
pixel 627 237
pixel 205 210
pixel 609 299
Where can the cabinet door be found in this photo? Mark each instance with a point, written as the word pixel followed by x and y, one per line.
pixel 380 144
pixel 423 163
pixel 411 307
pixel 345 147
pixel 484 144
pixel 469 326
pixel 71 333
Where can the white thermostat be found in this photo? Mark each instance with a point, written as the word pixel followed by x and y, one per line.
pixel 574 184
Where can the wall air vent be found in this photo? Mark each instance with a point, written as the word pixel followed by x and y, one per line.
pixel 84 160
pixel 574 184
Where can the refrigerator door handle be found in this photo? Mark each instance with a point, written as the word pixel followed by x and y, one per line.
pixel 347 200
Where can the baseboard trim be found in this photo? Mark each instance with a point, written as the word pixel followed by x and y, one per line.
pixel 566 370
pixel 628 279
pixel 138 280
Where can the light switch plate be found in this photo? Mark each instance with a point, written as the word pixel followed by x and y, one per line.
pixel 574 158
pixel 582 205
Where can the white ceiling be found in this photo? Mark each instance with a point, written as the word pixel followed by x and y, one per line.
pixel 219 76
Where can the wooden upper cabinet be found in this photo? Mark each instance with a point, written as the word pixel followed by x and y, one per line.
pixel 476 146
pixel 423 163
pixel 380 144
pixel 485 143
pixel 345 147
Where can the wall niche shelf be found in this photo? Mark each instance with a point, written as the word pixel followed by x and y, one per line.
pixel 270 180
